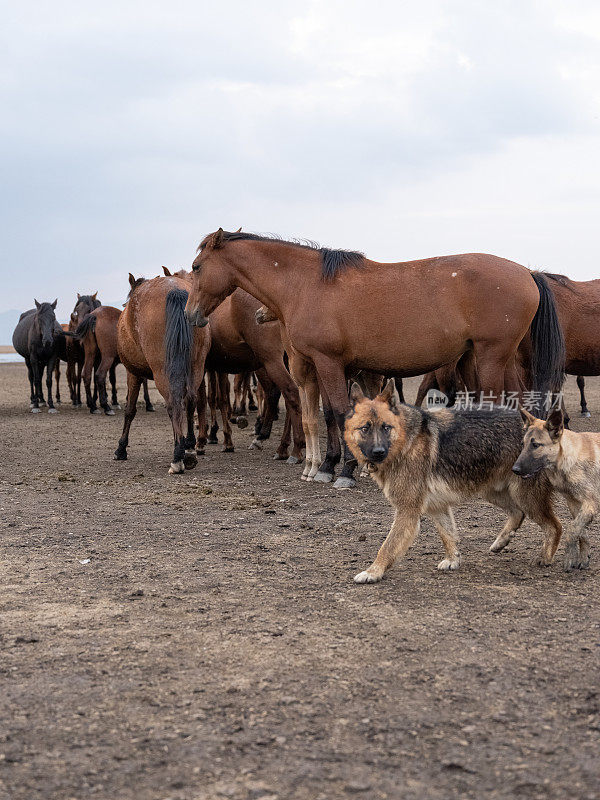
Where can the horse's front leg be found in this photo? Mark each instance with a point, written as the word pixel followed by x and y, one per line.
pixel 49 370
pixel 334 391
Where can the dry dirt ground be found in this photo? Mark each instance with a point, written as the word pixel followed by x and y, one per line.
pixel 200 637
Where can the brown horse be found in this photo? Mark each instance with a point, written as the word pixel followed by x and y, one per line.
pixel 238 345
pixel 155 340
pixel 98 335
pixel 343 312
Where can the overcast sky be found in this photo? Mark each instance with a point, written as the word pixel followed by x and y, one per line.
pixel 404 129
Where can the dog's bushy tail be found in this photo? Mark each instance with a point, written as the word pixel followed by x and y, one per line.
pixel 178 347
pixel 87 326
pixel 547 344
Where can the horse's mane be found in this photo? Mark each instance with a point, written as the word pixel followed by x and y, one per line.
pixel 332 261
pixel 562 279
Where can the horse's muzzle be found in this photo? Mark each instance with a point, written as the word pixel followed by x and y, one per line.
pixel 196 318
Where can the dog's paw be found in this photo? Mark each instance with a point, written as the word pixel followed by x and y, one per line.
pixel 449 564
pixel 499 544
pixel 367 577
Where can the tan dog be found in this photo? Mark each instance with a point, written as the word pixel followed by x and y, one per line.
pixel 572 463
pixel 426 463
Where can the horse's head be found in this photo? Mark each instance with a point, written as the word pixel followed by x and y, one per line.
pixel 85 304
pixel 45 321
pixel 212 278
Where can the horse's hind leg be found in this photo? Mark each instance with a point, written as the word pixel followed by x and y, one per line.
pixel 277 372
pixel 189 459
pixel 101 372
pixel 581 385
pixel 88 367
pixel 147 401
pixel 212 404
pixel 225 409
pixel 272 395
pixel 133 390
pixel 112 374
pixel 202 424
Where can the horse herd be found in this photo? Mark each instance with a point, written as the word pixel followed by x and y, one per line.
pixel 294 319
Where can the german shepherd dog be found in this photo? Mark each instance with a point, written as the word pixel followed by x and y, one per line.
pixel 572 463
pixel 426 463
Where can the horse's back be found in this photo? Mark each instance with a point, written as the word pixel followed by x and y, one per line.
pixel 20 337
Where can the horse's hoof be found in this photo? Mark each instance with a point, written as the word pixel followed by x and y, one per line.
pixel 109 413
pixel 229 449
pixel 242 423
pixel 58 402
pixel 252 407
pixel 212 441
pixel 293 460
pixel 585 414
pixel 323 477
pixel 120 456
pixel 149 409
pixel 177 469
pixel 189 459
pixel 117 406
pixel 280 457
pixel 255 445
pixel 344 483
pixel 200 451
pixel 96 411
pixel 53 410
pixel 36 410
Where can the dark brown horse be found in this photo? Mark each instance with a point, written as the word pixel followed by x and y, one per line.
pixel 39 339
pixel 578 306
pixel 156 341
pixel 343 312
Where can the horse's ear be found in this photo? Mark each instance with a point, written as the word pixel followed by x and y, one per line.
pixel 55 303
pixel 131 280
pixel 218 239
pixel 167 272
pixel 390 394
pixel 528 419
pixel 356 394
pixel 555 423
pixel 239 230
pixel 37 305
pixel 78 296
pixel 95 295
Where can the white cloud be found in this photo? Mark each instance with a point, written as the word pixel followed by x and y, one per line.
pixel 131 129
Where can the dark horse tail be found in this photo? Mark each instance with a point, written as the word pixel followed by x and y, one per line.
pixel 547 343
pixel 88 325
pixel 178 347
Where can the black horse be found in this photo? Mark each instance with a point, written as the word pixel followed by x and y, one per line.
pixel 39 339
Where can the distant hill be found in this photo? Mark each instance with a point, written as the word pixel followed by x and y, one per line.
pixel 8 321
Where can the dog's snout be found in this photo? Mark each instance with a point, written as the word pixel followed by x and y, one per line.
pixel 517 469
pixel 378 453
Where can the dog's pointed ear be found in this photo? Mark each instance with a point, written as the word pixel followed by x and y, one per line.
pixel 37 305
pixel 95 295
pixel 167 272
pixel 390 395
pixel 555 424
pixel 55 303
pixel 356 394
pixel 131 280
pixel 527 418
